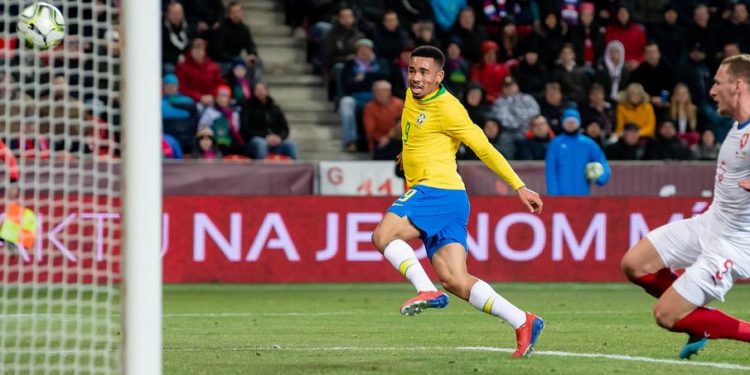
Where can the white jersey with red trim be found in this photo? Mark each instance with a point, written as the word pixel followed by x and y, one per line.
pixel 730 210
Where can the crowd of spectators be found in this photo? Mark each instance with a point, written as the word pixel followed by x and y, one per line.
pixel 638 72
pixel 215 104
pixel 643 66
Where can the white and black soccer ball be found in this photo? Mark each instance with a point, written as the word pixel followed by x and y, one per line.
pixel 594 170
pixel 41 26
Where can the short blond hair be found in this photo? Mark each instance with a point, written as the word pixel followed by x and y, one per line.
pixel 738 67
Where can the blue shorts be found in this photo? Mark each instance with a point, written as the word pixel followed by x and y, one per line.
pixel 441 215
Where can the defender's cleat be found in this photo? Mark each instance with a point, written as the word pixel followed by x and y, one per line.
pixel 692 347
pixel 424 300
pixel 527 334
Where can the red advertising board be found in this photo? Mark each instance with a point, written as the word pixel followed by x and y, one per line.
pixel 327 239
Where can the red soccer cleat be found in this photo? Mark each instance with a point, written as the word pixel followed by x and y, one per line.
pixel 527 334
pixel 424 300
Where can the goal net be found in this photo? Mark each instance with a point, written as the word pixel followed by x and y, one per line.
pixel 60 260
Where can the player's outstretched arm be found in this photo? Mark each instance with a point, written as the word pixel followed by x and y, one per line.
pixel 745 184
pixel 530 199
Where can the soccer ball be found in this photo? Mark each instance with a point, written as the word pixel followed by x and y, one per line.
pixel 41 26
pixel 594 170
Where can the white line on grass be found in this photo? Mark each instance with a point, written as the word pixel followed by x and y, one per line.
pixel 241 314
pixel 621 357
pixel 617 357
pixel 187 315
pixel 372 312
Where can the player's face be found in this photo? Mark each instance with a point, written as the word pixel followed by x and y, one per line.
pixel 424 76
pixel 724 91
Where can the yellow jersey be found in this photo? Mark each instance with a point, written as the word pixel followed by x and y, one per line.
pixel 432 128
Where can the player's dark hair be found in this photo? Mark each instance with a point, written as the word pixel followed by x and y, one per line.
pixel 738 67
pixel 429 52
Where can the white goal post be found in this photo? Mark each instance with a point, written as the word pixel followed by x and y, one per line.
pixel 142 193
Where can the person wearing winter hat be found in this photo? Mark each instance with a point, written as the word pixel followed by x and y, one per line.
pixel 531 74
pixel 224 121
pixel 568 156
pixel 174 105
pixel 240 79
pixel 457 68
pixel 491 73
pixel 206 145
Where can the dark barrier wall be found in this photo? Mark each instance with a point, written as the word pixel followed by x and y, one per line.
pixel 644 179
pixel 327 239
pixel 238 178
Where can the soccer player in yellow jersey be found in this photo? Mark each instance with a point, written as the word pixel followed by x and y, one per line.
pixel 436 207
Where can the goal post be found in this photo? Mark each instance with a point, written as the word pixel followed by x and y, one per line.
pixel 142 187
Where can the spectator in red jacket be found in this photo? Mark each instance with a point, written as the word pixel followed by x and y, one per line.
pixel 490 73
pixel 380 115
pixel 631 34
pixel 199 76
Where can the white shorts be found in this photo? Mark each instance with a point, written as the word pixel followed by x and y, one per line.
pixel 711 264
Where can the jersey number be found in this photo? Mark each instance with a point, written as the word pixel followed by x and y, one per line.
pixel 406 132
pixel 407 195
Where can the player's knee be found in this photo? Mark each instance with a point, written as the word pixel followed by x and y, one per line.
pixel 663 316
pixel 455 284
pixel 448 284
pixel 627 266
pixel 380 240
pixel 630 267
pixel 375 239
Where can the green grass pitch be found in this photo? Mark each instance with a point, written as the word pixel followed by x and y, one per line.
pixel 356 329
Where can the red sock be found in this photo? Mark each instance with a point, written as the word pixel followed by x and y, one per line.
pixel 714 324
pixel 657 283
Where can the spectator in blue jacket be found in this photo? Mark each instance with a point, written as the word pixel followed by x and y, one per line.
pixel 175 105
pixel 567 157
pixel 179 113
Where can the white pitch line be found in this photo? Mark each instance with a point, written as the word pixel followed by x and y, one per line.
pixel 372 312
pixel 242 314
pixel 620 357
pixel 617 357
